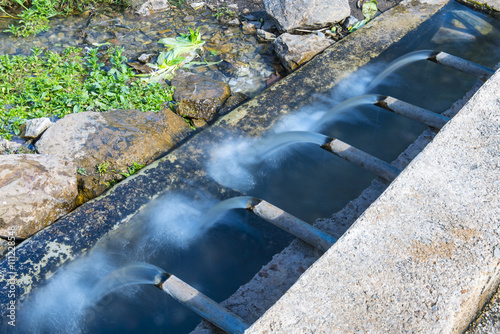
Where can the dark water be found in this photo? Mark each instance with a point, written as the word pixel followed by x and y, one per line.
pixel 306 181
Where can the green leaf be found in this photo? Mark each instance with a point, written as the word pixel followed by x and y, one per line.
pixel 369 9
pixel 357 25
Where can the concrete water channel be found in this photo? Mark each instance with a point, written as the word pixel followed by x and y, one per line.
pixel 422 254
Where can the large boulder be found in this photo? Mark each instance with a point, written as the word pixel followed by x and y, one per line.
pixel 199 97
pixel 36 190
pixel 291 15
pixel 105 145
pixel 294 50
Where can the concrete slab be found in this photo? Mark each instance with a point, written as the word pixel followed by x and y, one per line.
pixel 424 258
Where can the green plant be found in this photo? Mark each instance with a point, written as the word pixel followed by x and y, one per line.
pixel 18 150
pixel 111 183
pixel 225 12
pixel 131 170
pixel 180 50
pixel 180 53
pixel 35 14
pixel 177 3
pixel 81 171
pixel 369 10
pixel 102 168
pixel 189 122
pixel 52 84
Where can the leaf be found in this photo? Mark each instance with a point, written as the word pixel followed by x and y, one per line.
pixel 201 63
pixel 369 9
pixel 357 25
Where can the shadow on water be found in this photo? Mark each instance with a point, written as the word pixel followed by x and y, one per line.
pixel 218 256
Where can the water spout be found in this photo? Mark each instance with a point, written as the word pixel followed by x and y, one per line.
pixel 337 147
pixel 348 104
pixel 270 145
pixel 138 273
pixel 391 104
pixel 438 57
pixel 399 63
pixel 240 202
pixel 145 273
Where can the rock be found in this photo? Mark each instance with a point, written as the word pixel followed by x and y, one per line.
pixel 140 68
pixel 476 23
pixel 199 123
pixel 199 97
pixel 102 145
pixel 145 57
pixel 10 147
pixel 233 22
pixel 265 36
pixel 36 190
pixel 145 8
pixel 447 35
pixel 349 22
pixel 294 50
pixel 273 78
pixel 306 14
pixel 4 248
pixel 248 28
pixel 188 18
pixel 197 5
pixel 249 17
pixel 35 127
pixel 232 102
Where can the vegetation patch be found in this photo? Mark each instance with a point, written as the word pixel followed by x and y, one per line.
pixel 54 85
pixel 34 15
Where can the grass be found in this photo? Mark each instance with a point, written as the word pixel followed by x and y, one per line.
pixel 224 12
pixel 34 15
pixel 132 169
pixel 52 84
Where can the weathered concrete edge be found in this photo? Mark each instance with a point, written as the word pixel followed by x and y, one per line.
pixel 73 235
pixel 421 258
pixel 490 7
